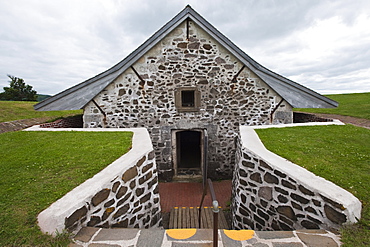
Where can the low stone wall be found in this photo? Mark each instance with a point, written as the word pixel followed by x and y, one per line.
pixel 301 117
pixel 68 122
pixel 124 194
pixel 271 193
pixel 20 124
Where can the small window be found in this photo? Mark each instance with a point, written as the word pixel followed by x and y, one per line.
pixel 187 99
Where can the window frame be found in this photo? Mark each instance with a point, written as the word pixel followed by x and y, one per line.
pixel 178 99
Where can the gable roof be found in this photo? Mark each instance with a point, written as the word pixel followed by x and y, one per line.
pixel 79 95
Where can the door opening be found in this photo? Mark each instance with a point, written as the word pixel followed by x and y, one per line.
pixel 188 152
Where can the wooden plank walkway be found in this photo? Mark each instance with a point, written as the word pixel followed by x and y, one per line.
pixel 187 217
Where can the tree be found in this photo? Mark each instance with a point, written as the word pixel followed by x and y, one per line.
pixel 18 91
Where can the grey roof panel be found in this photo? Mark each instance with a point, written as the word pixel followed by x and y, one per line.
pixel 297 95
pixel 78 96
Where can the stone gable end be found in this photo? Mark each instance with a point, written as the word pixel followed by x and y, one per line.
pixel 226 95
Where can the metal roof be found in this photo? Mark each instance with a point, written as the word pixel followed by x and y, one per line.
pixel 79 95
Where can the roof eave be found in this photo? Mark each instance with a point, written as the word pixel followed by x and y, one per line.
pixel 66 100
pixel 49 104
pixel 318 100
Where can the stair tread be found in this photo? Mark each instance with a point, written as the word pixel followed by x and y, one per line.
pixel 187 217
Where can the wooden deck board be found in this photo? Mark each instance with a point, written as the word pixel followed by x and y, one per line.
pixel 204 218
pixel 184 218
pixel 209 216
pixel 196 218
pixel 171 219
pixel 187 217
pixel 176 216
pixel 192 217
pixel 187 212
pixel 223 224
pixel 179 217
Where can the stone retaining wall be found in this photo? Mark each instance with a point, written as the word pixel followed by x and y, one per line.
pixel 130 201
pixel 124 194
pixel 20 124
pixel 301 117
pixel 271 193
pixel 68 122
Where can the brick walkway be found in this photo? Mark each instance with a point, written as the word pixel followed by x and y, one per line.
pixel 190 194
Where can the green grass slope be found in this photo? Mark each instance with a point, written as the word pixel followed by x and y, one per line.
pixel 37 168
pixel 340 154
pixel 355 105
pixel 16 110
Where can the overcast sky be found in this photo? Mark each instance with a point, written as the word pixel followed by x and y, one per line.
pixel 53 45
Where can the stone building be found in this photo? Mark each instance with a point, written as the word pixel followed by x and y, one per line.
pixel 192 88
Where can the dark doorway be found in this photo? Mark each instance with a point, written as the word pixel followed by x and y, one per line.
pixel 189 154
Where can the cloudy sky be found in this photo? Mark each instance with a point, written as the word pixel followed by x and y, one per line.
pixel 53 45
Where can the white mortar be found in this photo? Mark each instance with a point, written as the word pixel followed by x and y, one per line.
pixel 52 219
pixel 251 141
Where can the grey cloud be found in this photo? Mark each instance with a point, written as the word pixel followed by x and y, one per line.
pixel 57 44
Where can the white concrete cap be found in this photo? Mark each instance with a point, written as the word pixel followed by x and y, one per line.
pixel 52 219
pixel 252 142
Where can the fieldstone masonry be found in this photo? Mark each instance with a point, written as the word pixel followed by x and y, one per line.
pixel 131 201
pixel 124 194
pixel 68 122
pixel 229 93
pixel 268 193
pixel 301 117
pixel 268 197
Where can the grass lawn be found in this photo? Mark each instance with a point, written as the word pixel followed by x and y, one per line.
pixel 354 104
pixel 16 110
pixel 37 168
pixel 340 154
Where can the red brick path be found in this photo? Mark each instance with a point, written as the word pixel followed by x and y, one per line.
pixel 190 194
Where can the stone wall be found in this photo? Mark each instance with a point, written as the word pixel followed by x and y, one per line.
pixel 68 122
pixel 229 95
pixel 124 194
pixel 20 124
pixel 301 117
pixel 271 193
pixel 130 201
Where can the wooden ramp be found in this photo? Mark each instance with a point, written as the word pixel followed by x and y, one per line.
pixel 187 217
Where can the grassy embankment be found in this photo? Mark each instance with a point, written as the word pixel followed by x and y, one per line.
pixel 354 104
pixel 37 168
pixel 340 154
pixel 16 110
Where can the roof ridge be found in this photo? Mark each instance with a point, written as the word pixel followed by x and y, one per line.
pixel 115 67
pixel 97 83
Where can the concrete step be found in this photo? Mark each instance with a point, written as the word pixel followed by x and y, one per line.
pixel 90 236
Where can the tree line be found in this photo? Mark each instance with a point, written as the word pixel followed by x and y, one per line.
pixel 18 91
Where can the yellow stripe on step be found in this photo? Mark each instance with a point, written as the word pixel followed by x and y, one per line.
pixel 239 235
pixel 181 233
